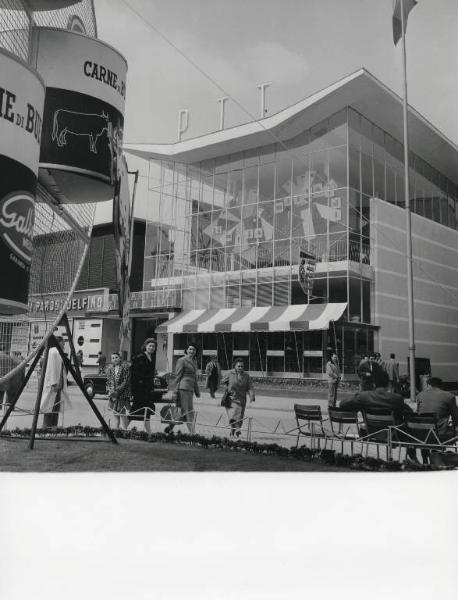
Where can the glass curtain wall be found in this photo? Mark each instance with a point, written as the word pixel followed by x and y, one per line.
pixel 229 231
pixel 250 214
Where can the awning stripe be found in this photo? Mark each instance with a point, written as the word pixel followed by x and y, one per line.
pixel 311 313
pixel 192 327
pixel 225 325
pixel 221 315
pixel 291 313
pixel 254 314
pixel 177 325
pixel 261 318
pixel 331 312
pixel 273 314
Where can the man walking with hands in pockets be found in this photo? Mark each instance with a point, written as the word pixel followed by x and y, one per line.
pixel 333 373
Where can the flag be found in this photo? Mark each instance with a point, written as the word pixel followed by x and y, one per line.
pixel 397 23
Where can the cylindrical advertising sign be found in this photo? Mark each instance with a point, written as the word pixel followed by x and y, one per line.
pixel 21 113
pixel 83 118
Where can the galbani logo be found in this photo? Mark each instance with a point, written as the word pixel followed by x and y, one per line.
pixel 16 223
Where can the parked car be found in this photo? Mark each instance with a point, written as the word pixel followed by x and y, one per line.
pixel 96 383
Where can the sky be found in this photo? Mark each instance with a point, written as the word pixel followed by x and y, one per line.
pixel 299 46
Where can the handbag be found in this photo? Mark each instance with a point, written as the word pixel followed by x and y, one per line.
pixel 173 397
pixel 226 399
pixel 171 414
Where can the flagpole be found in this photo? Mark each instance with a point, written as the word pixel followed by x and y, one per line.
pixel 408 216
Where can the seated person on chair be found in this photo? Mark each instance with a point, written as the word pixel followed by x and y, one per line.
pixel 442 404
pixel 381 399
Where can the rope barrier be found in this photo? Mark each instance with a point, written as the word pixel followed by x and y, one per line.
pixel 264 433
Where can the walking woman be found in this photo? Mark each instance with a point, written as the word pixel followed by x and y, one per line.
pixel 238 387
pixel 213 373
pixel 142 383
pixel 186 385
pixel 118 390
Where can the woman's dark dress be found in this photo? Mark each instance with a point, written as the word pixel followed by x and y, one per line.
pixel 142 384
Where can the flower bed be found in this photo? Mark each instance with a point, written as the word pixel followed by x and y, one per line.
pixel 324 457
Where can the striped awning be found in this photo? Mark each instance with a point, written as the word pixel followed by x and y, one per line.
pixel 297 317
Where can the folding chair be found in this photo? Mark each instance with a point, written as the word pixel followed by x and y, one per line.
pixel 344 426
pixel 423 429
pixel 381 428
pixel 313 426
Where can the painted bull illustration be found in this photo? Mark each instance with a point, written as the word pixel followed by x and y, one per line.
pixel 77 123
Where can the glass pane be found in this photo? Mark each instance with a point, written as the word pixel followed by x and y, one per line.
pixel 282 218
pixel 265 255
pixel 282 254
pixel 390 185
pixel 400 190
pixel 266 183
pixel 206 193
pixel 264 294
pixel 283 176
pixel 250 189
pixel 234 188
pixel 379 179
pixel 354 213
pixel 354 174
pixel 338 166
pixel 366 174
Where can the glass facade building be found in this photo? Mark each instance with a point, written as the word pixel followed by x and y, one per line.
pixel 227 232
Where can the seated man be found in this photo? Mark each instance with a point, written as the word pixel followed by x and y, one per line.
pixel 437 401
pixel 381 399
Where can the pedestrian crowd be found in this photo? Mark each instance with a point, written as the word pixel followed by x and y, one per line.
pixel 130 391
pixel 130 388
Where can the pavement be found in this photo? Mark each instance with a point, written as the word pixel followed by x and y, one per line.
pixel 270 419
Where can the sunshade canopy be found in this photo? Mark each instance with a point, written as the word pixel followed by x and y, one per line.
pixel 297 317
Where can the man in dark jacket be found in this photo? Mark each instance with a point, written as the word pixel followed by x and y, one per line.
pixel 370 373
pixel 381 399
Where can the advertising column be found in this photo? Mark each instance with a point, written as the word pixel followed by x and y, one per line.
pixel 21 109
pixel 83 116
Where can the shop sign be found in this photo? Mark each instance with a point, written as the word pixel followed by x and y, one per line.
pixel 83 119
pixel 21 109
pixel 20 339
pixel 81 303
pixel 153 299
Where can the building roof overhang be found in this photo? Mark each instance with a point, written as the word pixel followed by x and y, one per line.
pixel 360 90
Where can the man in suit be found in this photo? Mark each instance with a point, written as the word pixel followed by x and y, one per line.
pixel 381 399
pixel 370 373
pixel 442 404
pixel 392 369
pixel 333 373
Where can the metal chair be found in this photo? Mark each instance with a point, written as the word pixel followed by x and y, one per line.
pixel 313 427
pixel 344 426
pixel 422 431
pixel 381 429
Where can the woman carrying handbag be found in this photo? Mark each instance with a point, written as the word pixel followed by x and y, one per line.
pixel 186 385
pixel 239 385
